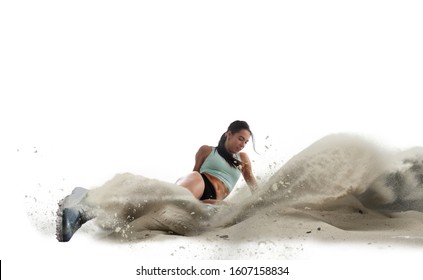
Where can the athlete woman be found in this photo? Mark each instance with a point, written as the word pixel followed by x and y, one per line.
pixel 217 169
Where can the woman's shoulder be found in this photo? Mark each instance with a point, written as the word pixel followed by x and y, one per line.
pixel 243 156
pixel 201 156
pixel 205 149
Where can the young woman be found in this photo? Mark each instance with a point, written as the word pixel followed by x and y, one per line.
pixel 138 203
pixel 217 169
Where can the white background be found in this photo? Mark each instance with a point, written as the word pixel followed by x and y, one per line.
pixel 93 88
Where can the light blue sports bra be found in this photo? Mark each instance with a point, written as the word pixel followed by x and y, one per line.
pixel 217 166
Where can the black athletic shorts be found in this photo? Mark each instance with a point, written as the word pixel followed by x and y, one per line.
pixel 209 191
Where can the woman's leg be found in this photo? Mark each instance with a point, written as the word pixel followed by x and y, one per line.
pixel 125 199
pixel 193 182
pixel 71 214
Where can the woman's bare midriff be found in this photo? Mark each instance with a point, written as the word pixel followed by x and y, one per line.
pixel 221 190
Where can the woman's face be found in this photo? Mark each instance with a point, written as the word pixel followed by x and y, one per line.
pixel 235 142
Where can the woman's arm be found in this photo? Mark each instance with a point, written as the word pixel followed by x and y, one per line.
pixel 201 156
pixel 247 172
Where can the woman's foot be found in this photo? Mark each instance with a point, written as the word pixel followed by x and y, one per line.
pixel 70 215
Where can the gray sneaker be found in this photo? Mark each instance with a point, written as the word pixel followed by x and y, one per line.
pixel 70 215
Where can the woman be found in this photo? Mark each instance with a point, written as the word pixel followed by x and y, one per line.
pixel 131 199
pixel 217 169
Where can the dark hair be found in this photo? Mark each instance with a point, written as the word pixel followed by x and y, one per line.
pixel 234 127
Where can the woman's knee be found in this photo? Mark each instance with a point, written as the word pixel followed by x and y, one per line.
pixel 193 182
pixel 193 176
